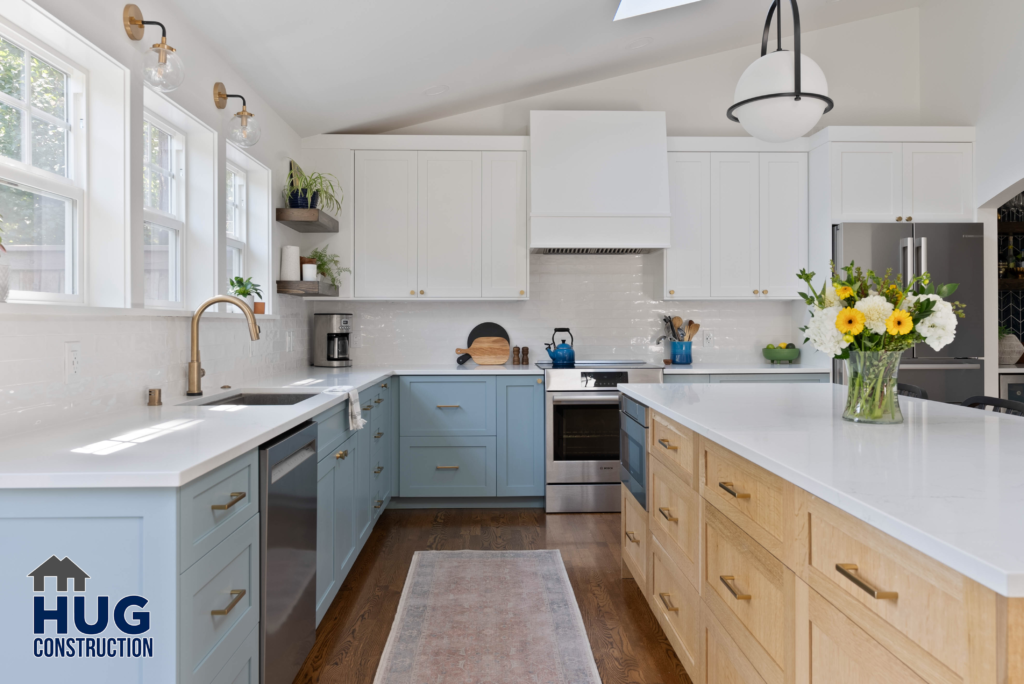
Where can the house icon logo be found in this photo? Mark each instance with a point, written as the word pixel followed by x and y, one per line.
pixel 63 570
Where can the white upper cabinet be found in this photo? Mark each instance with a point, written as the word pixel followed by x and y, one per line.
pixel 735 229
pixel 938 182
pixel 385 224
pixel 898 182
pixel 504 240
pixel 688 261
pixel 783 223
pixel 449 224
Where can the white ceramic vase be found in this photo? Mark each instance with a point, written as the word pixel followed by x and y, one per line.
pixel 1010 350
pixel 5 281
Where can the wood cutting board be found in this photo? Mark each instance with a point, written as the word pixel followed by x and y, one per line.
pixel 488 351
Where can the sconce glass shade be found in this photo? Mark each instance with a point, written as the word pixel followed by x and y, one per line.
pixel 162 68
pixel 244 130
pixel 780 119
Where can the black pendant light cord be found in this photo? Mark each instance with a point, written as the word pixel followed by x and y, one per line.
pixel 797 93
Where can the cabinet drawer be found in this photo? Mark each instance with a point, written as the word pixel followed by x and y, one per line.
pixel 634 537
pixel 749 590
pixel 840 652
pixel 723 661
pixel 332 429
pixel 381 413
pixel 921 614
pixel 244 665
pixel 448 466
pixel 202 527
pixel 675 520
pixel 675 446
pixel 438 406
pixel 677 605
pixel 215 583
pixel 748 494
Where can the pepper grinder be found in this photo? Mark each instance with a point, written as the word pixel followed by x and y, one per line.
pixel 526 356
pixel 515 356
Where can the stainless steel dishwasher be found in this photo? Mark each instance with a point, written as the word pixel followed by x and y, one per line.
pixel 287 553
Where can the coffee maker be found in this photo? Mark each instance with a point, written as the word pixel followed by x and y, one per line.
pixel 331 340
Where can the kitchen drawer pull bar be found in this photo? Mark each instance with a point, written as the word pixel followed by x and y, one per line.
pixel 378 470
pixel 447 467
pixel 667 513
pixel 379 503
pixel 378 435
pixel 377 401
pixel 727 580
pixel 368 407
pixel 668 604
pixel 847 570
pixel 448 406
pixel 668 445
pixel 631 536
pixel 341 454
pixel 728 486
pixel 238 594
pixel 235 498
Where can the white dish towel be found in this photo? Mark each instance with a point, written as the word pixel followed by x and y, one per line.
pixel 355 411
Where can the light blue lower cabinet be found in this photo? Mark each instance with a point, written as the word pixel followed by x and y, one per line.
pixel 244 666
pixel 448 466
pixel 520 444
pixel 335 530
pixel 435 406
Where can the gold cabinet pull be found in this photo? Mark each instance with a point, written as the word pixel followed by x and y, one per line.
pixel 727 580
pixel 899 219
pixel 377 401
pixel 378 435
pixel 235 498
pixel 447 468
pixel 755 291
pixel 379 470
pixel 667 513
pixel 448 406
pixel 379 503
pixel 668 445
pixel 764 291
pixel 341 454
pixel 671 291
pixel 728 486
pixel 540 381
pixel 412 292
pixel 668 604
pixel 384 386
pixel 522 292
pixel 422 292
pixel 847 570
pixel 368 407
pixel 910 218
pixel 238 594
pixel 631 536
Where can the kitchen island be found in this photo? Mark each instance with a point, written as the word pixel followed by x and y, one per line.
pixel 782 544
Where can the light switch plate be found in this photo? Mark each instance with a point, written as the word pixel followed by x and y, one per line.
pixel 72 361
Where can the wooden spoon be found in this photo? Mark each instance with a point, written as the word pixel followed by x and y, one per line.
pixel 691 330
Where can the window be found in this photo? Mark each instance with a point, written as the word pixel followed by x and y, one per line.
pixel 40 199
pixel 235 221
pixel 163 229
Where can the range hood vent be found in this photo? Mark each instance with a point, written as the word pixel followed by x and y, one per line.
pixel 570 251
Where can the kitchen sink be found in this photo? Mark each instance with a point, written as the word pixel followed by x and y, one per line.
pixel 257 399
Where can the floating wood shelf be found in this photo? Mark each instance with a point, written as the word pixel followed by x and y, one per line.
pixel 307 288
pixel 307 220
pixel 1011 283
pixel 1006 227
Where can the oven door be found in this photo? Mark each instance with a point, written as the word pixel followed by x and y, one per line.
pixel 582 437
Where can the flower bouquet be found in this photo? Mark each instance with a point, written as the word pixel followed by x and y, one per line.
pixel 869 321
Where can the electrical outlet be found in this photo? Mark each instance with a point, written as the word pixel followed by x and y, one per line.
pixel 72 361
pixel 289 340
pixel 709 338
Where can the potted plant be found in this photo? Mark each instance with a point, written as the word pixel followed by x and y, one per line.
pixel 245 289
pixel 328 265
pixel 5 270
pixel 306 191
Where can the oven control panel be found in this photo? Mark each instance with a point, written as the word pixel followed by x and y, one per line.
pixel 602 379
pixel 586 380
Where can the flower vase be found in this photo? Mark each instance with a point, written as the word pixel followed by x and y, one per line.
pixel 871 395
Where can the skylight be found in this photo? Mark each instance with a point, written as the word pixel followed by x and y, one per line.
pixel 634 8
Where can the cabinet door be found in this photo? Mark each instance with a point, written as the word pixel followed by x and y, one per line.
pixel 449 224
pixel 735 233
pixel 867 182
pixel 783 223
pixel 520 436
pixel 344 495
pixel 448 466
pixel 688 260
pixel 505 247
pixel 385 224
pixel 327 517
pixel 938 182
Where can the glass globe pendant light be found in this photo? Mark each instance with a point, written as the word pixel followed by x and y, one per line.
pixel 161 66
pixel 243 130
pixel 781 96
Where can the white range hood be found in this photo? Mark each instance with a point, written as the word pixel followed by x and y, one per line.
pixel 598 182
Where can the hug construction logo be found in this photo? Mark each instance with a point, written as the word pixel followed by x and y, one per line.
pixel 101 639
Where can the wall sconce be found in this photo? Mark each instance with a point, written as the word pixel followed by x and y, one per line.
pixel 244 130
pixel 162 68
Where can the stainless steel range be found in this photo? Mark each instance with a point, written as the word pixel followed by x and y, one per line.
pixel 582 432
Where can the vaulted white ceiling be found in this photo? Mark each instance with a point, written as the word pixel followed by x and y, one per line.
pixel 364 65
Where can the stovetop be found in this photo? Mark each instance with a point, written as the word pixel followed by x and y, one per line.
pixel 602 364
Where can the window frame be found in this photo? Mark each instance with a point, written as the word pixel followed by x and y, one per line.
pixel 238 211
pixel 71 186
pixel 170 220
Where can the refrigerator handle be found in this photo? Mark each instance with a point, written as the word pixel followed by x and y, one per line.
pixel 921 255
pixel 906 260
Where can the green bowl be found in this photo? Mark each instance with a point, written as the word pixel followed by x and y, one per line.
pixel 781 354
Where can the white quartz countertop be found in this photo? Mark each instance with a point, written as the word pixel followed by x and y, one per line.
pixel 949 481
pixel 741 368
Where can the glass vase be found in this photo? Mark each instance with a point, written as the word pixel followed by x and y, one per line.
pixel 871 387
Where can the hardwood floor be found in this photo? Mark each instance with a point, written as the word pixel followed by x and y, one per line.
pixel 627 641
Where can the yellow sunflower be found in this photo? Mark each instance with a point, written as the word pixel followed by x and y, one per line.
pixel 899 323
pixel 850 321
pixel 844 291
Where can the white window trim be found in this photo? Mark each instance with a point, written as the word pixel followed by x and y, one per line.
pixel 172 220
pixel 259 212
pixel 22 174
pixel 238 212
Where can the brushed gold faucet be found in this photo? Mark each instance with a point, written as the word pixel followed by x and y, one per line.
pixel 195 369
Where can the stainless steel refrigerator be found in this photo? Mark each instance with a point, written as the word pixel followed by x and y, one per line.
pixel 952 253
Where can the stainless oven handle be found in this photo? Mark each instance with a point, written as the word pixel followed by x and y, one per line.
pixel 585 398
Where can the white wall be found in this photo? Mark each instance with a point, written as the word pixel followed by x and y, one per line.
pixel 872 68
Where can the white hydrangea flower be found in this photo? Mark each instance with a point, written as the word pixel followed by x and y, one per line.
pixel 939 328
pixel 876 310
pixel 831 298
pixel 823 333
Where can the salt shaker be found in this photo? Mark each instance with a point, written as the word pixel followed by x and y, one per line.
pixel 526 356
pixel 515 356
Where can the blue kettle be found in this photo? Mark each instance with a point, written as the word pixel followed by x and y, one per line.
pixel 562 355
